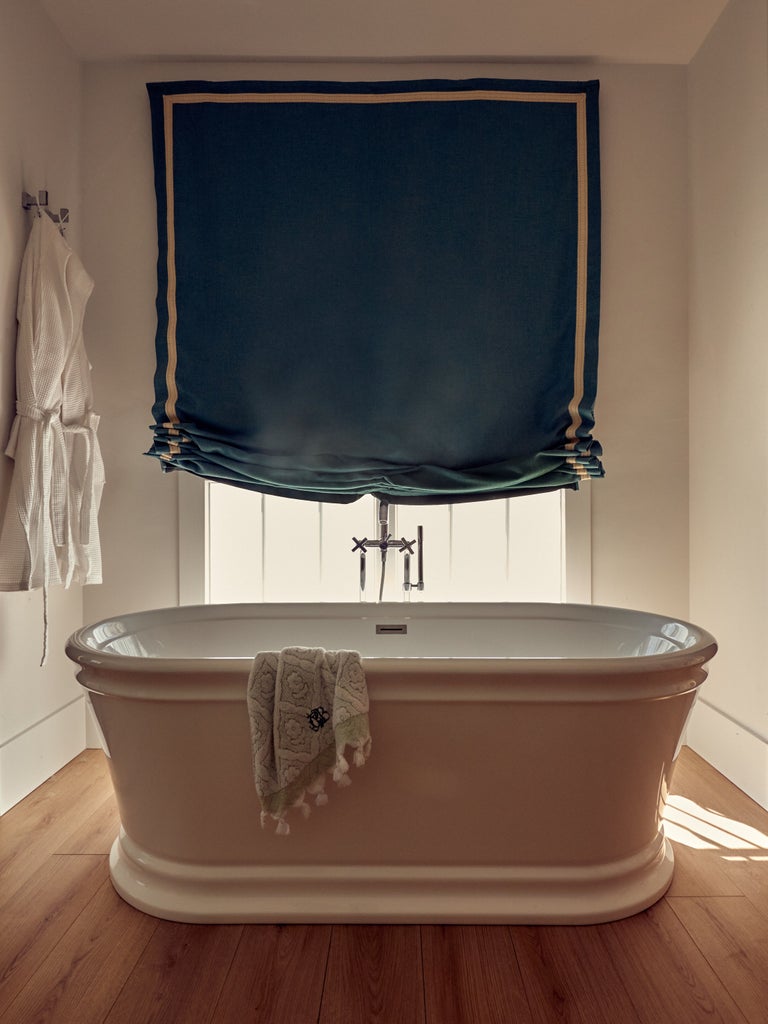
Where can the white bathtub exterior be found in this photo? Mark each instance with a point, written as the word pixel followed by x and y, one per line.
pixel 522 780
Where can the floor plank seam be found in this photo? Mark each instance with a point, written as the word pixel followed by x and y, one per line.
pixel 511 931
pixel 712 966
pixel 424 1012
pixel 222 988
pixel 419 936
pixel 214 1009
pixel 325 974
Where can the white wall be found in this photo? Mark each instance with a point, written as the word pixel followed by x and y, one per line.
pixel 640 511
pixel 729 387
pixel 41 710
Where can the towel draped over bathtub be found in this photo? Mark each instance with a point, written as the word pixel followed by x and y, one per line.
pixel 305 706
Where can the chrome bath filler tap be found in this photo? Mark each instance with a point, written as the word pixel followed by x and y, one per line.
pixel 384 543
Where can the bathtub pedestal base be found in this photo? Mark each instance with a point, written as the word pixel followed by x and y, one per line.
pixel 313 894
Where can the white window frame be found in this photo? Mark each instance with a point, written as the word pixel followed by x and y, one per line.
pixel 194 551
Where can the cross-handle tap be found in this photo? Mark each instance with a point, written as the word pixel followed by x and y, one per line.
pixel 384 543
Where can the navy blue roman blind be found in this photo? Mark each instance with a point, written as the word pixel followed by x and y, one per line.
pixel 378 287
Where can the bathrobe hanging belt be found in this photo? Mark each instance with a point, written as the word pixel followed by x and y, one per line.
pixel 60 489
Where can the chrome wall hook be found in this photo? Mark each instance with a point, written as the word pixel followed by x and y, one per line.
pixel 40 203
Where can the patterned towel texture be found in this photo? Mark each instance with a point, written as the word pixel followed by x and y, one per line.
pixel 305 706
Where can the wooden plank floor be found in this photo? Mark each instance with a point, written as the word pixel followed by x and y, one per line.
pixel 72 952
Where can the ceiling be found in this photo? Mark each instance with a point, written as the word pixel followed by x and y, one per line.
pixel 624 31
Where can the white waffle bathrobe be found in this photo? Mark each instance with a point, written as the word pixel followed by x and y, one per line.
pixel 50 531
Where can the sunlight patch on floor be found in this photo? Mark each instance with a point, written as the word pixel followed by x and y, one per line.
pixel 700 828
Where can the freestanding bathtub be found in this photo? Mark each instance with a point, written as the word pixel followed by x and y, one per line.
pixel 521 760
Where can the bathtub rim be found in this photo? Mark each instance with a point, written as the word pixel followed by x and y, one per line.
pixel 81 653
pixel 580 678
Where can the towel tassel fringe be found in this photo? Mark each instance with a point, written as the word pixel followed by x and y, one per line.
pixel 340 772
pixel 317 790
pixel 303 806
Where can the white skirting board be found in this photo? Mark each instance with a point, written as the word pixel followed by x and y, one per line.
pixel 31 757
pixel 737 751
